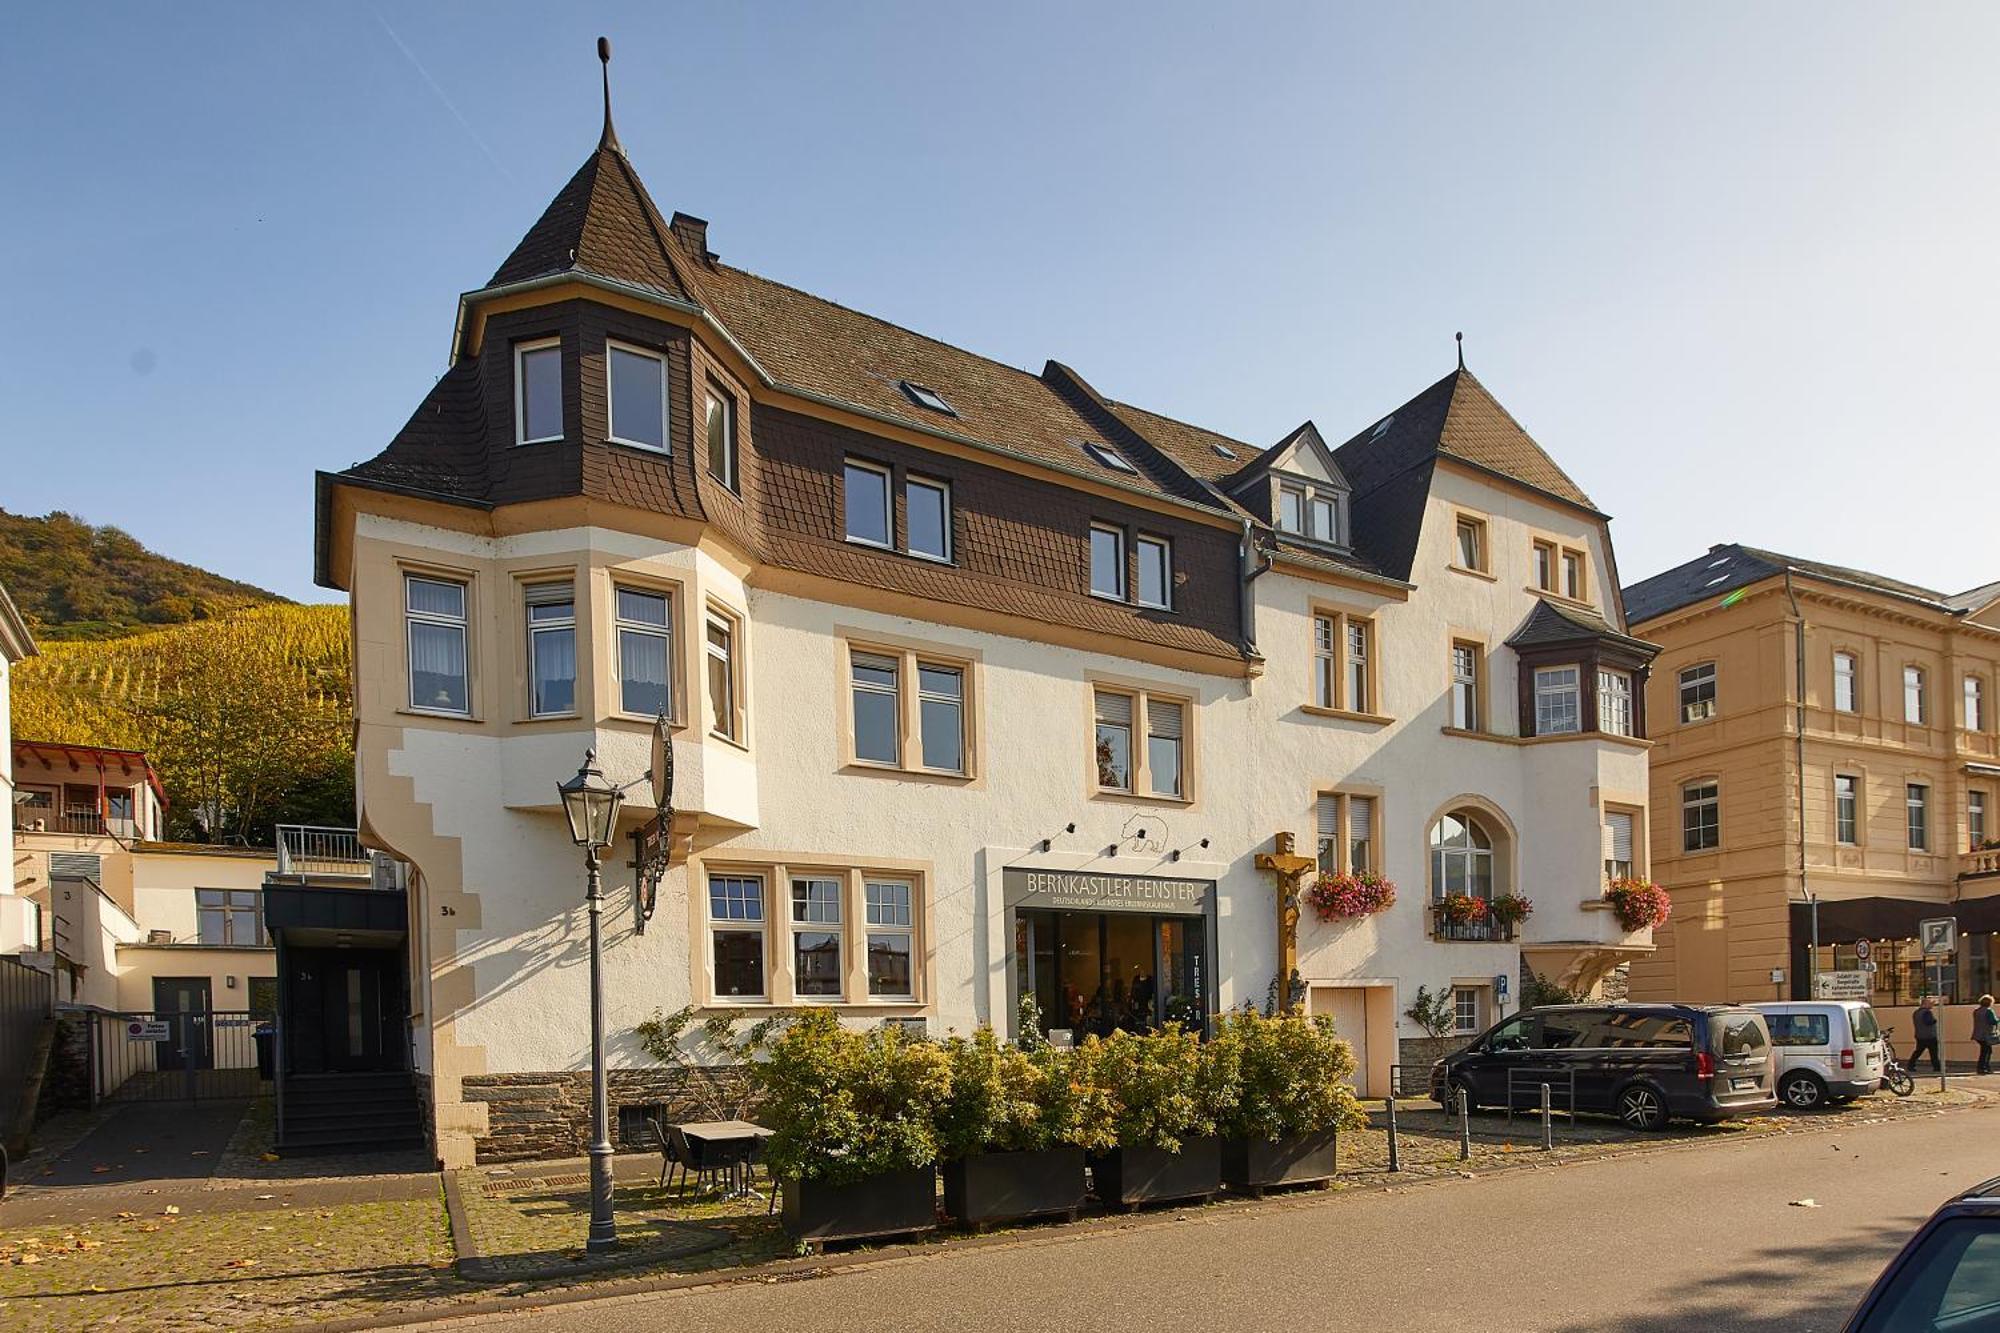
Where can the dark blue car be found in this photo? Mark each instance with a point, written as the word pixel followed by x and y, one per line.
pixel 1947 1278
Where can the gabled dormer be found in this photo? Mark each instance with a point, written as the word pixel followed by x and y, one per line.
pixel 1298 488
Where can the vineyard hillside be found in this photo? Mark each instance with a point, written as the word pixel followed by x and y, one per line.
pixel 73 580
pixel 246 716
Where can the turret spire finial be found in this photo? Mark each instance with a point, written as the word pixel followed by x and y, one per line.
pixel 609 139
pixel 1459 337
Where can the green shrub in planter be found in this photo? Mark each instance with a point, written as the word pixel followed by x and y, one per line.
pixel 1157 1118
pixel 1008 1131
pixel 1290 1076
pixel 844 1105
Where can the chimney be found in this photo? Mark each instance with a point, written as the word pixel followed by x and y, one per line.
pixel 692 233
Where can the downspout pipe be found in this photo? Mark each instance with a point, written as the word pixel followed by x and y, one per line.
pixel 1251 571
pixel 1799 761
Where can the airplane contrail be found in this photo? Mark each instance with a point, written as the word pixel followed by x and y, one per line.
pixel 442 96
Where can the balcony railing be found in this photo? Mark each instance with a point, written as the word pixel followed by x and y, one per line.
pixel 306 849
pixel 1985 861
pixel 80 823
pixel 1482 929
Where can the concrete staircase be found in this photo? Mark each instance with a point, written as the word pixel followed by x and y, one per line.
pixel 349 1113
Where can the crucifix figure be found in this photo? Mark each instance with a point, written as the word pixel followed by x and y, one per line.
pixel 1291 870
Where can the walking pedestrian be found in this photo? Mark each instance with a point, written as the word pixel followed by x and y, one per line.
pixel 1927 1034
pixel 1985 1030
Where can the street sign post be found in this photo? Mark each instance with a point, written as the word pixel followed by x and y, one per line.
pixel 1841 986
pixel 1864 950
pixel 1939 935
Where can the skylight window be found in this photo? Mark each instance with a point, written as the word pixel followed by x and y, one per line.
pixel 1719 578
pixel 1718 564
pixel 1382 426
pixel 1110 457
pixel 1222 450
pixel 924 397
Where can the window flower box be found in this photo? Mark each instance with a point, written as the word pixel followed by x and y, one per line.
pixel 1349 896
pixel 1639 903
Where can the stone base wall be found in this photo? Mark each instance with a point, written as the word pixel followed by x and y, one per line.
pixel 542 1115
pixel 1416 1055
pixel 66 1086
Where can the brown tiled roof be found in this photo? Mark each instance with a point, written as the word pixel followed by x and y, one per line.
pixel 807 342
pixel 604 223
pixel 1480 431
pixel 442 449
pixel 1192 447
pixel 1549 623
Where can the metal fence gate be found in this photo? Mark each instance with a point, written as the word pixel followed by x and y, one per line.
pixel 179 1055
pixel 27 999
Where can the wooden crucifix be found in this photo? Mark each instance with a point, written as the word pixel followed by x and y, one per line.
pixel 1291 870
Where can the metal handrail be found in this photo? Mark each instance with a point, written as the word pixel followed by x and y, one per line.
pixel 305 849
pixel 1487 928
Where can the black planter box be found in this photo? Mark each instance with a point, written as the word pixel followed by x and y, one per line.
pixel 892 1204
pixel 1132 1176
pixel 1008 1186
pixel 1256 1165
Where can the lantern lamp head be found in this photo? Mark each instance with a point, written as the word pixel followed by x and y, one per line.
pixel 591 804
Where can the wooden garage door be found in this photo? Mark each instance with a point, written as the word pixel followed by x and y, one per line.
pixel 1348 1007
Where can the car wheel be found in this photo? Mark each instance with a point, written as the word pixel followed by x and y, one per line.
pixel 1642 1107
pixel 1802 1092
pixel 1459 1085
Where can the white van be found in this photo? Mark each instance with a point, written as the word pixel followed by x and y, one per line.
pixel 1827 1050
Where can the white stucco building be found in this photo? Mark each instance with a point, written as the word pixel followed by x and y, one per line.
pixel 982 685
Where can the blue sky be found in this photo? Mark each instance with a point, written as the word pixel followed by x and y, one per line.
pixel 1733 265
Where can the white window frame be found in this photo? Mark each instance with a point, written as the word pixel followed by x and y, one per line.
pixel 1316 504
pixel 1917 815
pixel 1847 809
pixel 857 659
pixel 462 623
pixel 873 926
pixel 1461 525
pixel 666 444
pixel 1465 685
pixel 1974 691
pixel 1614 868
pixel 1552 690
pixel 1711 800
pixel 521 351
pixel 729 654
pixel 719 397
pixel 1975 819
pixel 1357 663
pixel 1916 696
pixel 1326 659
pixel 759 927
pixel 958 701
pixel 1700 710
pixel 1544 565
pixel 850 466
pixel 911 483
pixel 1123 552
pixel 1465 1010
pixel 1615 715
pixel 1165 547
pixel 643 629
pixel 1179 741
pixel 538 594
pixel 1575 575
pixel 817 925
pixel 1846 676
pixel 1347 833
pixel 1288 490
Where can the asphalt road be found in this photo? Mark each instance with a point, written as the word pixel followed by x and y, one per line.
pixel 1705 1238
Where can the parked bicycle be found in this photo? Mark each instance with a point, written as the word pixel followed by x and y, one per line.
pixel 1895 1077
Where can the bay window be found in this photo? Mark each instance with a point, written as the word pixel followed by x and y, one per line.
pixel 720 429
pixel 435 627
pixel 551 611
pixel 1614 703
pixel 636 398
pixel 1558 701
pixel 538 407
pixel 644 629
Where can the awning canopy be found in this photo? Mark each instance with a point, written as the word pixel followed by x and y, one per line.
pixel 1845 920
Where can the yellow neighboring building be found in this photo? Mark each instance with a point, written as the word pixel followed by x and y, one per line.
pixel 1876 813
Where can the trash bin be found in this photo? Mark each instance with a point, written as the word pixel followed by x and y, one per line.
pixel 265 1036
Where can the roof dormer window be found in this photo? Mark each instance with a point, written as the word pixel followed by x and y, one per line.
pixel 1110 458
pixel 1308 511
pixel 926 397
pixel 538 406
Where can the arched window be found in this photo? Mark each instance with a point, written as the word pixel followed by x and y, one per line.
pixel 1461 857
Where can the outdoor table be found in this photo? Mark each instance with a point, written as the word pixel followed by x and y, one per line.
pixel 731 1141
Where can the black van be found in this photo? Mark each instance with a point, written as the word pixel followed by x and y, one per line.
pixel 1643 1063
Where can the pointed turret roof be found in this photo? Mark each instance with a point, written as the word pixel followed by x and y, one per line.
pixel 605 224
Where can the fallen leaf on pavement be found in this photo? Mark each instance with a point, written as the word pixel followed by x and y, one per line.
pixel 172 1210
pixel 1805 1203
pixel 241 1263
pixel 267 1157
pixel 126 1217
pixel 267 1196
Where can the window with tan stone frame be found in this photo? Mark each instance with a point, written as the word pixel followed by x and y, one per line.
pixel 722 675
pixel 1469 553
pixel 1624 842
pixel 1575 575
pixel 1141 743
pixel 1349 824
pixel 812 930
pixel 910 710
pixel 1346 675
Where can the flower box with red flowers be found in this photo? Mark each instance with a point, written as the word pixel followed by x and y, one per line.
pixel 1638 903
pixel 1345 897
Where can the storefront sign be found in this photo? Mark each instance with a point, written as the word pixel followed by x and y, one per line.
pixel 148 1029
pixel 1097 891
pixel 1842 985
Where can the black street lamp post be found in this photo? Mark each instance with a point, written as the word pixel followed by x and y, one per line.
pixel 592 806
